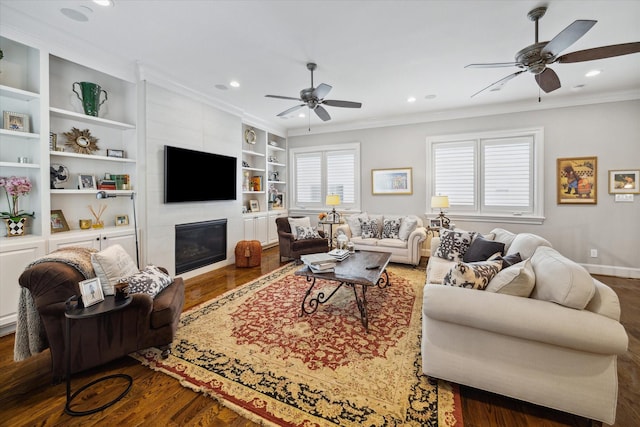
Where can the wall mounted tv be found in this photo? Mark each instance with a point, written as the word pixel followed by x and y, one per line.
pixel 196 176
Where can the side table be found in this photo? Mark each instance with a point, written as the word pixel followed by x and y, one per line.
pixel 78 313
pixel 330 224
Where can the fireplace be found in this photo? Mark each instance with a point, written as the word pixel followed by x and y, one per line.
pixel 200 243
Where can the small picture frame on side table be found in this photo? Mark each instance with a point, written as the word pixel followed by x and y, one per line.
pixel 16 121
pixel 58 221
pixel 254 205
pixel 122 220
pixel 115 153
pixel 435 223
pixel 91 291
pixel 86 182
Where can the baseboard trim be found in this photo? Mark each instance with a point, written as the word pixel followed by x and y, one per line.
pixel 612 270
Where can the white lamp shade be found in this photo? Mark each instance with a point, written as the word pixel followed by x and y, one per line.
pixel 439 201
pixel 333 199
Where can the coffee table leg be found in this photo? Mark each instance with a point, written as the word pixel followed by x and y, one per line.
pixel 383 281
pixel 361 301
pixel 314 303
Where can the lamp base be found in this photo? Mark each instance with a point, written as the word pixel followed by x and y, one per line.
pixel 444 220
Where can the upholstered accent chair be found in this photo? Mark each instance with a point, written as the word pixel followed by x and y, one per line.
pixel 290 247
pixel 144 323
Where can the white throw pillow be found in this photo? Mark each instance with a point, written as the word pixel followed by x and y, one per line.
pixel 561 280
pixel 354 223
pixel 504 236
pixel 299 222
pixel 110 265
pixel 517 280
pixel 407 226
pixel 437 268
pixel 526 244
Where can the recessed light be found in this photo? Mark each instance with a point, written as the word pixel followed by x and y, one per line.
pixel 105 3
pixel 301 115
pixel 234 83
pixel 593 73
pixel 411 99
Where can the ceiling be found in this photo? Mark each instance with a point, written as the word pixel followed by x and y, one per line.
pixel 375 52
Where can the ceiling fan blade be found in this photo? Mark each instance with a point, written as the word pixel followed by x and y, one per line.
pixel 343 104
pixel 322 113
pixel 492 65
pixel 321 91
pixel 290 110
pixel 498 85
pixel 567 37
pixel 282 97
pixel 548 80
pixel 600 52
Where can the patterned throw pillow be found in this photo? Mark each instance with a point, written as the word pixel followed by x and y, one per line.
pixel 453 244
pixel 149 281
pixel 369 228
pixel 304 233
pixel 391 228
pixel 472 275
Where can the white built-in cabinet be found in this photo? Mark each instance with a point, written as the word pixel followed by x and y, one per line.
pixel 97 240
pixel 264 174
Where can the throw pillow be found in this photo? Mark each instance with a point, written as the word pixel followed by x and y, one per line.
pixel 295 222
pixel 517 280
pixel 453 244
pixel 391 228
pixel 526 244
pixel 354 223
pixel 110 265
pixel 481 249
pixel 407 225
pixel 304 233
pixel 472 275
pixel 369 228
pixel 507 260
pixel 150 281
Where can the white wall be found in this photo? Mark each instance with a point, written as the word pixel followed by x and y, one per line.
pixel 174 119
pixel 610 131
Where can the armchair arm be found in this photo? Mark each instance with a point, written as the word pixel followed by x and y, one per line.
pixel 414 244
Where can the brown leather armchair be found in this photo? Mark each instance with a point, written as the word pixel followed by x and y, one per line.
pixel 292 248
pixel 144 323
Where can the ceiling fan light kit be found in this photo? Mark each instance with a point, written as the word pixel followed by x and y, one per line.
pixel 537 57
pixel 313 98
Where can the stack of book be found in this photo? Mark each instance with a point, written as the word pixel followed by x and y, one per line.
pixel 339 254
pixel 107 184
pixel 319 263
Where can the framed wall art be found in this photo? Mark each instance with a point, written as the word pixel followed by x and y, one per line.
pixel 16 121
pixel 577 179
pixel 391 181
pixel 624 182
pixel 58 221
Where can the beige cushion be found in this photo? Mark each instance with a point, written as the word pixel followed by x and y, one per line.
pixel 517 280
pixel 526 244
pixel 437 268
pixel 354 223
pixel 560 280
pixel 393 243
pixel 407 226
pixel 504 236
pixel 110 265
pixel 298 222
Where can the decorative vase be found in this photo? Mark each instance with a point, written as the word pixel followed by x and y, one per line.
pixel 16 228
pixel 90 97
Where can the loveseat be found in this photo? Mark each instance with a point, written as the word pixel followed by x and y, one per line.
pixel 402 236
pixel 543 331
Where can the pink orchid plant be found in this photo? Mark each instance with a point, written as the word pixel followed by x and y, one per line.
pixel 15 187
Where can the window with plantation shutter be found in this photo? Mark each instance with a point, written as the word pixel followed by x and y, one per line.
pixel 490 175
pixel 318 171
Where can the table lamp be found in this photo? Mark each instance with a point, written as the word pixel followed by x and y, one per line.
pixel 441 202
pixel 333 200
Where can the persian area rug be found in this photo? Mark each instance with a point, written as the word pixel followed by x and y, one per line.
pixel 252 351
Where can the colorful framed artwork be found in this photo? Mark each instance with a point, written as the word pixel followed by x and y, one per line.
pixel 58 221
pixel 624 182
pixel 392 181
pixel 577 180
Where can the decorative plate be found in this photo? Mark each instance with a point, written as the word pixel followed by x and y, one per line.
pixel 250 136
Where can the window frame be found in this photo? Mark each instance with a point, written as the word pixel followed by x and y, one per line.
pixel 324 150
pixel 479 212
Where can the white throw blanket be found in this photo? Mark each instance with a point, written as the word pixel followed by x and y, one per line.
pixel 31 337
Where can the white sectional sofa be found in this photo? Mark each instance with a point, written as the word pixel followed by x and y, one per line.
pixel 402 236
pixel 557 348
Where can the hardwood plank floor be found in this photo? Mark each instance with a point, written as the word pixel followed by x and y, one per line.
pixel 27 397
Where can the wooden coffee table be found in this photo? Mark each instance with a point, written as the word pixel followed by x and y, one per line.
pixel 352 272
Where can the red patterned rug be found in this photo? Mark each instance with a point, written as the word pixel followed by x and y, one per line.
pixel 251 350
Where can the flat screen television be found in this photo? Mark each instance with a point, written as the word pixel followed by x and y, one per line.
pixel 196 176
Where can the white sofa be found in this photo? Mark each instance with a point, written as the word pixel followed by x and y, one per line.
pixel 557 348
pixel 405 248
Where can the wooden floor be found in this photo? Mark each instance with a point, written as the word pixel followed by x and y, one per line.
pixel 27 397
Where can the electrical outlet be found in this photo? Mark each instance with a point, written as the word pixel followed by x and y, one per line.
pixel 594 253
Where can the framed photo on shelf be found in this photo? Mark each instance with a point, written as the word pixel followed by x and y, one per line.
pixel 91 291
pixel 254 205
pixel 122 220
pixel 624 182
pixel 577 180
pixel 435 223
pixel 16 121
pixel 278 201
pixel 86 182
pixel 58 221
pixel 391 181
pixel 115 153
